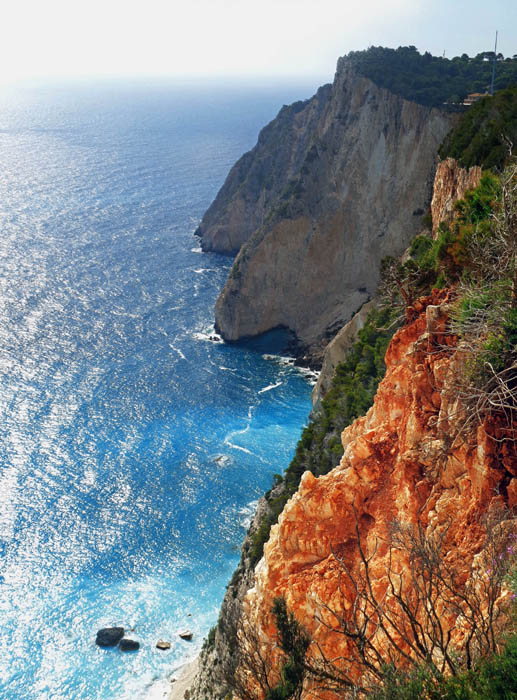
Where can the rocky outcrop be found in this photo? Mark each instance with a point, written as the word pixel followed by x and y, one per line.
pixel 129 645
pixel 258 180
pixel 451 182
pixel 109 636
pixel 333 185
pixel 401 463
pixel 336 350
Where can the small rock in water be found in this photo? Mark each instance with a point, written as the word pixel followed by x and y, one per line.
pixel 129 645
pixel 161 644
pixel 109 636
pixel 222 460
pixel 186 634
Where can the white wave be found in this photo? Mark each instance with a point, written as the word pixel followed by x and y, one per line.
pixel 158 690
pixel 279 359
pixel 246 514
pixel 173 347
pixel 196 250
pixel 238 447
pixel 201 270
pixel 244 430
pixel 268 388
pixel 228 439
pixel 311 375
pixel 208 335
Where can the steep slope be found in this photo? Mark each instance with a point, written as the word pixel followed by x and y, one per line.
pixel 401 459
pixel 336 351
pixel 257 181
pixel 400 464
pixel 358 163
pixel 451 182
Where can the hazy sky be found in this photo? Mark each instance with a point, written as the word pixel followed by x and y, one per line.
pixel 46 38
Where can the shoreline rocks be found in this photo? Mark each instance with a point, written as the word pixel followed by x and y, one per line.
pixel 109 636
pixel 129 645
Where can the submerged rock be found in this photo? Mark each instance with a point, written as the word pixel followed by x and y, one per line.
pixel 109 636
pixel 129 645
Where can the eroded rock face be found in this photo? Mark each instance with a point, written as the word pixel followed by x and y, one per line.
pixel 332 187
pixel 336 350
pixel 215 659
pixel 257 181
pixel 451 182
pixel 399 464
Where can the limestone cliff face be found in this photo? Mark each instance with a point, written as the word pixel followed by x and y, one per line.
pixel 399 464
pixel 334 184
pixel 450 184
pixel 258 179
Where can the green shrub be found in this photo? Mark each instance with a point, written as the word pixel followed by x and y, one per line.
pixel 351 394
pixel 450 256
pixel 492 679
pixel 435 80
pixel 210 639
pixel 294 642
pixel 479 137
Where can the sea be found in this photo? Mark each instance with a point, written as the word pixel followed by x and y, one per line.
pixel 134 443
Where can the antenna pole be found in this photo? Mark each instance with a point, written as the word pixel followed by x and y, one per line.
pixel 493 66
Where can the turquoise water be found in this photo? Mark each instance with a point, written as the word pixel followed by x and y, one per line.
pixel 131 445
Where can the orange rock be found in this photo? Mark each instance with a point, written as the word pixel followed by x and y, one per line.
pixel 401 464
pixel 451 182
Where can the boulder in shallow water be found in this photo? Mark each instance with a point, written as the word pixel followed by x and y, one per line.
pixel 129 645
pixel 161 644
pixel 109 636
pixel 186 634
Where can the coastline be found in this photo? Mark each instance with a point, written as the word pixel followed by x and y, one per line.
pixel 186 675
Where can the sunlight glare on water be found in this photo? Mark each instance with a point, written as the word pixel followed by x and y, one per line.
pixel 131 446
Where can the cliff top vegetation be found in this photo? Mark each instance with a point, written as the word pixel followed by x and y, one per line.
pixel 484 133
pixel 432 80
pixel 476 255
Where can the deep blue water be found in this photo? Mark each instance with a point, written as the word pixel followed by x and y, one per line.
pixel 131 446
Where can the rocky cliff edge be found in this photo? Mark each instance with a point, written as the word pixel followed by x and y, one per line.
pixel 401 464
pixel 334 184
